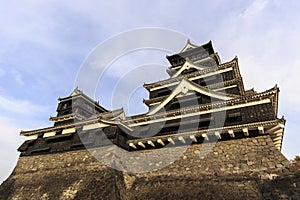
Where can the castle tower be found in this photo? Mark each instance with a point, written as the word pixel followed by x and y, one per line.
pixel 232 138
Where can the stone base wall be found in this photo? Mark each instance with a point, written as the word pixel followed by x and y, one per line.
pixel 248 168
pixel 67 175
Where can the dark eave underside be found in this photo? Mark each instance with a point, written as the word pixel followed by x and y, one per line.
pixel 133 119
pixel 206 47
pixel 210 87
pixel 232 63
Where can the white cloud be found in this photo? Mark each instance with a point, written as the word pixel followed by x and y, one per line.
pixel 20 106
pixel 10 141
pixel 9 131
pixel 29 21
pixel 17 76
pixel 256 7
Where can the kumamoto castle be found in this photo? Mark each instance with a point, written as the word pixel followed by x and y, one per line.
pixel 204 137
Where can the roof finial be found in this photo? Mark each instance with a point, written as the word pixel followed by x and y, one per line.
pixel 188 45
pixel 76 91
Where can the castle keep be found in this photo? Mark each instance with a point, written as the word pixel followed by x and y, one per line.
pixel 204 137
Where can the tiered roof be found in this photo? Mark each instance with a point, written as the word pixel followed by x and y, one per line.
pixel 199 90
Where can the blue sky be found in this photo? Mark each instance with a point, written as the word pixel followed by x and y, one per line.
pixel 44 43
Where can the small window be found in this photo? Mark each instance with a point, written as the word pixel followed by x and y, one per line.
pixel 234 117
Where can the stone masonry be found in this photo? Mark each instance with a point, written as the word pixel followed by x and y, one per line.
pixel 247 168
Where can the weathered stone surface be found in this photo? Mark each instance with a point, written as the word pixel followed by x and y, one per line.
pixel 248 168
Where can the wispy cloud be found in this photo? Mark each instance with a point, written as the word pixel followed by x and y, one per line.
pixel 23 107
pixel 9 131
pixel 17 76
pixel 256 7
pixel 10 140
